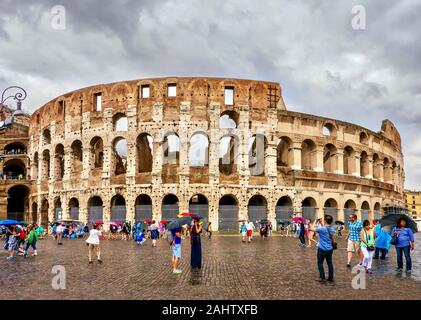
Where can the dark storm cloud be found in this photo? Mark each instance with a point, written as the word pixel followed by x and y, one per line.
pixel 324 66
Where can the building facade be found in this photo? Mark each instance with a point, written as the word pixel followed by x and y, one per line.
pixel 413 202
pixel 225 148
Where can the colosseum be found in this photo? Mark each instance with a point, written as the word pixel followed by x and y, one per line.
pixel 227 149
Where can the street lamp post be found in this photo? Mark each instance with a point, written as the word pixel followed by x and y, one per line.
pixel 17 93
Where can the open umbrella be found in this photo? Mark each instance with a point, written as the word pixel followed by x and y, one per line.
pixel 392 220
pixel 178 223
pixel 148 221
pixel 297 219
pixel 163 221
pixel 23 223
pixel 264 221
pixel 99 222
pixel 339 222
pixel 190 214
pixel 284 222
pixel 8 222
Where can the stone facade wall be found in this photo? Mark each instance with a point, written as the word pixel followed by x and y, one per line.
pixel 197 107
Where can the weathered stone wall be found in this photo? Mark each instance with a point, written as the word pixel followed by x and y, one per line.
pixel 335 168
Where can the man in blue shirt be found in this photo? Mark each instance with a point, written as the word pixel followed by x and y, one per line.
pixel 353 238
pixel 325 248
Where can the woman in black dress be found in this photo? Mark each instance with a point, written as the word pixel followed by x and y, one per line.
pixel 196 245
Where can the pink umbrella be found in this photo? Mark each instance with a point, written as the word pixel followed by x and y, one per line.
pixel 297 219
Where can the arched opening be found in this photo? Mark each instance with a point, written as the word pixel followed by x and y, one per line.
pixel 329 129
pixel 15 148
pixel 330 160
pixel 331 208
pixel 74 208
pixel 364 164
pixel 284 152
pixel 228 213
pixel 17 202
pixel 199 204
pixel 120 123
pixel 14 169
pixel 170 208
pixel 144 147
pixel 365 211
pixel 350 207
pixel 120 156
pixel 283 209
pixel 118 208
pixel 59 162
pixel 44 213
pixel 58 211
pixel 34 213
pixel 308 155
pixel 199 150
pixel 257 208
pixel 46 137
pixel 76 157
pixel 143 208
pixel 349 160
pixel 95 210
pixel 257 154
pixel 97 153
pixel 377 211
pixel 171 149
pixel 363 138
pixel 309 208
pixel 228 154
pixel 229 120
pixel 45 165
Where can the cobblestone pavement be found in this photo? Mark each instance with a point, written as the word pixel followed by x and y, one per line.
pixel 273 269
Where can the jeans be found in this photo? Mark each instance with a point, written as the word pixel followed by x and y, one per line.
pixel 380 252
pixel 407 252
pixel 302 239
pixel 321 256
pixel 33 245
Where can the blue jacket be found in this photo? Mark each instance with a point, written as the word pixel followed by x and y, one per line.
pixel 405 237
pixel 382 238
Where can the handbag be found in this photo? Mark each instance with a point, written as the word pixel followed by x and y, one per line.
pixel 371 248
pixel 394 240
pixel 334 244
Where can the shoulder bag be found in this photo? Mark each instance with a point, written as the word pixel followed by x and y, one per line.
pixel 334 244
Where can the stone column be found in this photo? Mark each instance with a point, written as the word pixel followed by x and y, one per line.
pixel 86 160
pixel 184 145
pixel 131 162
pixel 270 162
pixel 319 158
pixel 339 162
pixel 67 163
pixel 296 156
pixel 243 136
pixel 357 169
pixel 214 144
pixel 370 167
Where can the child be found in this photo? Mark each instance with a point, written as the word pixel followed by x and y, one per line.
pixel 140 239
pixel 93 242
pixel 31 241
pixel 176 251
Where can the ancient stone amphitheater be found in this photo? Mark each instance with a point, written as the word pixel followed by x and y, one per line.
pixel 225 148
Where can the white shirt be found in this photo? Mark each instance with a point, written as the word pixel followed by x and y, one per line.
pixel 250 226
pixel 60 228
pixel 94 236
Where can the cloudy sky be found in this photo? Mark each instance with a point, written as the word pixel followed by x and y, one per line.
pixel 324 65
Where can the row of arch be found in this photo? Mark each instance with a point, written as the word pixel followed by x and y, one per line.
pixel 228 208
pixel 228 153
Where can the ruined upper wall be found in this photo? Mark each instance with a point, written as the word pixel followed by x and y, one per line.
pixel 258 95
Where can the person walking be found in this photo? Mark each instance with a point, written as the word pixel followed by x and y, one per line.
pixel 31 241
pixel 176 250
pixel 153 228
pixel 13 235
pixel 93 242
pixel 302 233
pixel 368 239
pixel 250 227
pixel 59 233
pixel 354 238
pixel 340 228
pixel 209 230
pixel 404 243
pixel 243 231
pixel 196 245
pixel 382 242
pixel 325 248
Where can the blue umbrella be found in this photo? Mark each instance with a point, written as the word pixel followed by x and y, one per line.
pixel 178 223
pixel 8 222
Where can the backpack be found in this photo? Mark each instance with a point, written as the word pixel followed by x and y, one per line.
pixel 22 234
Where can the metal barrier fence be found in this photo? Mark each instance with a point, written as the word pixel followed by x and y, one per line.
pixel 118 213
pixel 228 218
